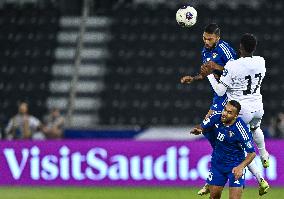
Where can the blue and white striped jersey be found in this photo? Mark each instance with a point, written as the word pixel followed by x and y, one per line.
pixel 231 142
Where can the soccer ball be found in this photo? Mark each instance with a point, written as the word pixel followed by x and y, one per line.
pixel 186 16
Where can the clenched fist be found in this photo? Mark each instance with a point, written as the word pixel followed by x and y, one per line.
pixel 186 79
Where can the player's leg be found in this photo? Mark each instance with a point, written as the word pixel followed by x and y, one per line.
pixel 253 168
pixel 259 140
pixel 217 105
pixel 235 192
pixel 258 137
pixel 215 191
pixel 263 185
pixel 211 138
pixel 236 186
pixel 216 181
pixel 253 119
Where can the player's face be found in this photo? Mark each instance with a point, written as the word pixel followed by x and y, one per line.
pixel 229 114
pixel 55 113
pixel 210 40
pixel 23 108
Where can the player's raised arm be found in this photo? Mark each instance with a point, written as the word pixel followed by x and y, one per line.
pixel 205 69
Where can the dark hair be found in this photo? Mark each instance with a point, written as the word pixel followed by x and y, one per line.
pixel 249 42
pixel 212 28
pixel 235 104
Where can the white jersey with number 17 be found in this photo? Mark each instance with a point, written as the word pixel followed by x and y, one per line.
pixel 243 78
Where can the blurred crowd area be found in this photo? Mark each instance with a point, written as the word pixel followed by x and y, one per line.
pixel 132 57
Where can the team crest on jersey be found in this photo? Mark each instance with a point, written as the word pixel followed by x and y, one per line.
pixel 214 55
pixel 231 134
pixel 249 144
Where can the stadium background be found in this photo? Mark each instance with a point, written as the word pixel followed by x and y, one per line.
pixel 113 69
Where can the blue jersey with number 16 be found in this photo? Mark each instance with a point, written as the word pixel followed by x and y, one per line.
pixel 231 142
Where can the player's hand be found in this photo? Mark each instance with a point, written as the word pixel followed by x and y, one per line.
pixel 238 172
pixel 196 131
pixel 186 79
pixel 205 70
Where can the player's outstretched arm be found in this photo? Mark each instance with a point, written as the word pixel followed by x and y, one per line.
pixel 190 79
pixel 205 70
pixel 238 170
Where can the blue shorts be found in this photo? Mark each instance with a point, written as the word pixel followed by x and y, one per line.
pixel 219 103
pixel 219 178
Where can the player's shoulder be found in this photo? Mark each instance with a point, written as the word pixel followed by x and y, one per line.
pixel 216 115
pixel 259 59
pixel 240 121
pixel 225 48
pixel 255 62
pixel 223 43
pixel 213 118
pixel 241 128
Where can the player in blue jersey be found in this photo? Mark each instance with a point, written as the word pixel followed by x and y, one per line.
pixel 228 160
pixel 215 54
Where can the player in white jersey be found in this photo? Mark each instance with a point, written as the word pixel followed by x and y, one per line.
pixel 241 80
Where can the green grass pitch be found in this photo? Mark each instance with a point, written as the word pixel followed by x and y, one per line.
pixel 121 193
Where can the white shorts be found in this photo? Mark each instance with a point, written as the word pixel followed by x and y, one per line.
pixel 252 118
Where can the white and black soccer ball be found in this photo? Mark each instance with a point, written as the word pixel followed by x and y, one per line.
pixel 186 16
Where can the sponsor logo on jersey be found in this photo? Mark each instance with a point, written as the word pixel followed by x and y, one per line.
pixel 237 182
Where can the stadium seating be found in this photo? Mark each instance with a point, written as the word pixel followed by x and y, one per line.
pixel 27 37
pixel 150 53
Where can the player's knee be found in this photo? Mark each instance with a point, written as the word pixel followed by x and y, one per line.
pixel 235 192
pixel 237 195
pixel 215 195
pixel 234 197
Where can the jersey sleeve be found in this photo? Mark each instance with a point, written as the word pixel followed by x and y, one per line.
pixel 245 137
pixel 211 121
pixel 203 55
pixel 225 52
pixel 226 77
